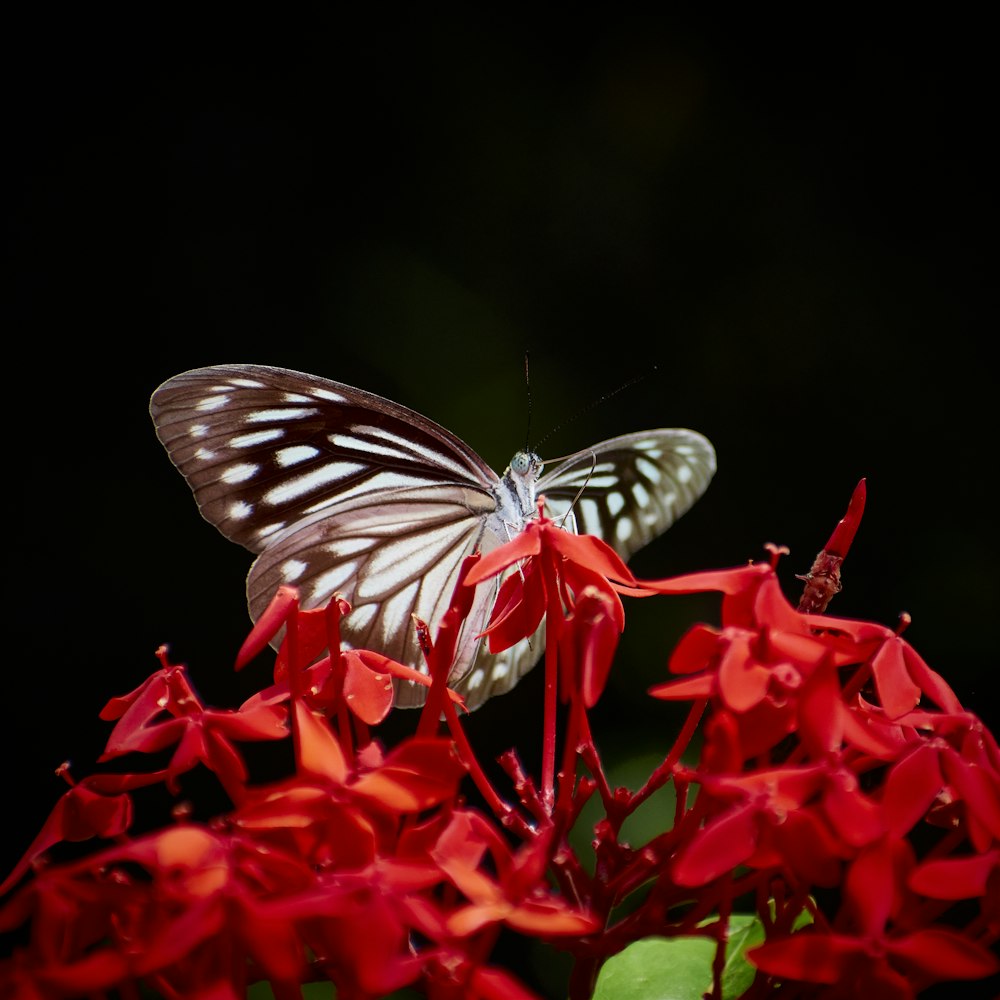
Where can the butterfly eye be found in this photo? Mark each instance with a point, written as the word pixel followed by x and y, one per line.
pixel 525 462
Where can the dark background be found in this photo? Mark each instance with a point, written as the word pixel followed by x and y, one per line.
pixel 789 221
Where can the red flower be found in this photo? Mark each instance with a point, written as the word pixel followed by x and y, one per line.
pixel 517 896
pixel 894 968
pixel 166 710
pixel 866 955
pixel 779 821
pixel 577 561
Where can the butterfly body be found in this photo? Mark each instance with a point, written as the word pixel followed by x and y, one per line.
pixel 515 494
pixel 338 490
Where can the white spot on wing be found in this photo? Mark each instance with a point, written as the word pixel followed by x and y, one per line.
pixel 257 437
pixel 649 469
pixel 295 454
pixel 331 581
pixel 204 455
pixel 212 403
pixel 293 569
pixel 240 473
pixel 347 546
pixel 197 430
pixel 351 443
pixel 443 459
pixel 361 617
pixel 381 481
pixel 302 485
pixel 615 502
pixel 284 413
pixel 270 529
pixel 240 510
pixel 396 611
pixel 334 397
pixel 590 515
pixel 683 473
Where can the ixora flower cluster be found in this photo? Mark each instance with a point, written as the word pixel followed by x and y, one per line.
pixel 844 813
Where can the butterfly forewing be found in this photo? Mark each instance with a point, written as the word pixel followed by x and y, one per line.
pixel 263 448
pixel 343 492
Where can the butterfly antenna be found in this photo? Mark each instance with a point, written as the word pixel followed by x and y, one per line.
pixel 527 389
pixel 597 402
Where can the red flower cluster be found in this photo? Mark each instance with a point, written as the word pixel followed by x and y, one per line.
pixel 861 770
pixel 841 785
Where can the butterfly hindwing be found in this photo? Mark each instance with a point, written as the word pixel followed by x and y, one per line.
pixel 391 556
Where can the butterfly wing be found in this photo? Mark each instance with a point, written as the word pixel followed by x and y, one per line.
pixel 627 491
pixel 392 555
pixel 340 491
pixel 630 489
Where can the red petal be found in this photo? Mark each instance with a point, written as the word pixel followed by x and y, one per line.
pixel 696 650
pixel 727 841
pixel 930 682
pixel 519 608
pixel 857 820
pixel 870 887
pixel 416 775
pixel 821 712
pixel 543 918
pixel 496 984
pixel 743 682
pixel 317 750
pixel 79 815
pixel 943 954
pixel 897 692
pixel 368 694
pixel 955 878
pixel 689 688
pixel 977 787
pixel 268 625
pixel 813 957
pixel 911 787
pixel 524 544
pixel 843 535
pixel 590 552
pixel 727 581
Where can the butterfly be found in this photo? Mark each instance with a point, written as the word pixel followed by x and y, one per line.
pixel 340 491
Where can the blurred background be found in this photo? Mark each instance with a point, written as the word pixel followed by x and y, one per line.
pixel 779 228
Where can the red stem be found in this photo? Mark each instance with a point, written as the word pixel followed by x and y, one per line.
pixel 553 620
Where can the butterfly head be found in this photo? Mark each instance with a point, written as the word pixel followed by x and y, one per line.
pixel 526 465
pixel 515 491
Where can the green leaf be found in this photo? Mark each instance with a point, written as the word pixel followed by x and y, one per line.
pixel 680 968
